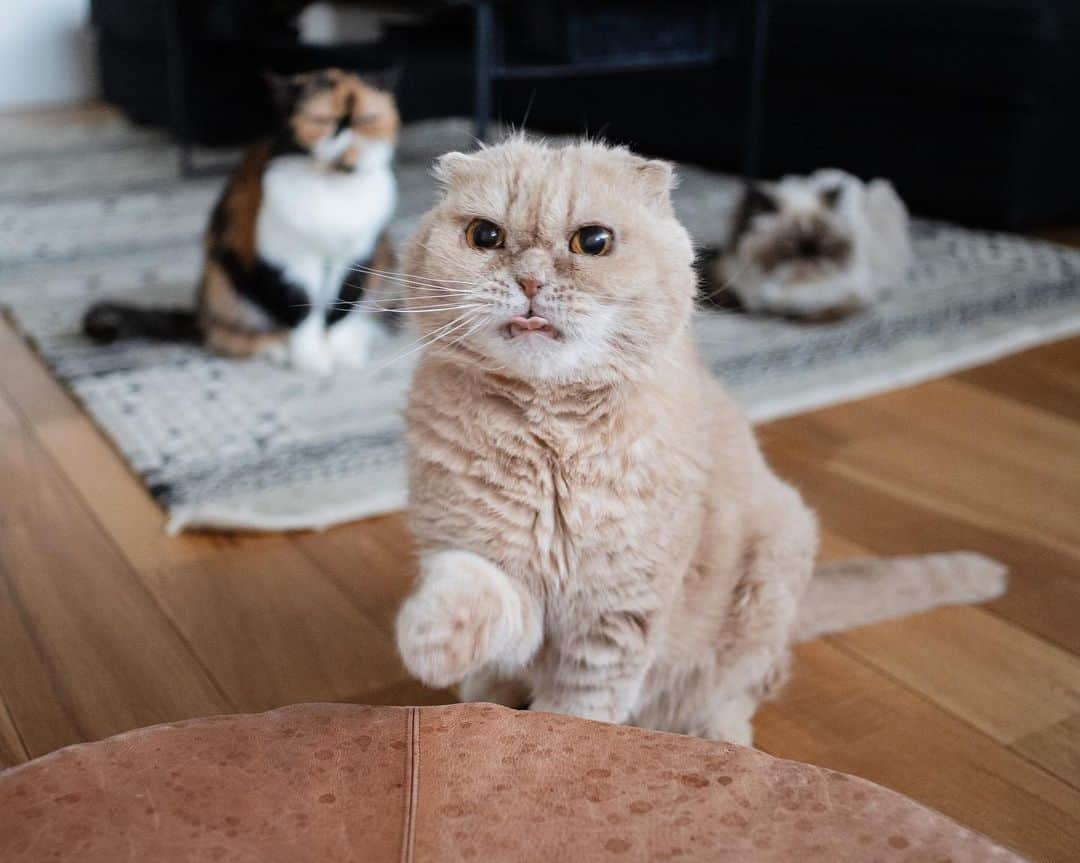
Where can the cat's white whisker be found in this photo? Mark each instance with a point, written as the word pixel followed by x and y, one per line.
pixel 476 326
pixel 404 290
pixel 389 310
pixel 441 255
pixel 382 272
pixel 411 283
pixel 727 284
pixel 431 309
pixel 426 341
pixel 403 300
pixel 617 297
pixel 408 292
pixel 402 282
pixel 407 276
pixel 422 342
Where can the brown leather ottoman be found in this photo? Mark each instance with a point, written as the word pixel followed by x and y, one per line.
pixel 335 782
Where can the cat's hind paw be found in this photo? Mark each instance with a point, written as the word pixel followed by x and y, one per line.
pixel 467 613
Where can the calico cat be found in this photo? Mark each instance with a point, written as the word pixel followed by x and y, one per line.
pixel 299 214
pixel 814 248
pixel 598 531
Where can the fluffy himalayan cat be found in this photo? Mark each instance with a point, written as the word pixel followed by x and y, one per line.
pixel 302 210
pixel 815 248
pixel 597 529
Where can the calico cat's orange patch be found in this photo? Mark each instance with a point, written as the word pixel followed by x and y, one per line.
pixel 232 225
pixel 332 100
pixel 228 324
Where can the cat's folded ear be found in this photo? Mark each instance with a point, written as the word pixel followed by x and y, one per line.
pixel 282 89
pixel 452 169
pixel 657 178
pixel 384 79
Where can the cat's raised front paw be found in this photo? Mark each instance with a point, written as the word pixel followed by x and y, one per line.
pixel 466 613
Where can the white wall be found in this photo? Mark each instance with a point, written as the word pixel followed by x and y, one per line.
pixel 327 22
pixel 46 53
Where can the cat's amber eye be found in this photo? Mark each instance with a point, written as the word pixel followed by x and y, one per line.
pixel 592 240
pixel 482 234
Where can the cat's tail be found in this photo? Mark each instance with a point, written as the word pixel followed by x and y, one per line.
pixel 107 322
pixel 853 593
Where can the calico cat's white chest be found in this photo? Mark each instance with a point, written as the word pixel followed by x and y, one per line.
pixel 308 208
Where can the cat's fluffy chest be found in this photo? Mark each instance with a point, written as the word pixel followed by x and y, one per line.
pixel 334 212
pixel 586 508
pixel 563 500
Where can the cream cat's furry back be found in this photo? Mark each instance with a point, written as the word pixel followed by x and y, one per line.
pixel 598 531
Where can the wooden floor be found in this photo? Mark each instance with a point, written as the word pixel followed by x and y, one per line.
pixel 107 624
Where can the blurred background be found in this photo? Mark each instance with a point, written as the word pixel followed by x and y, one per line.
pixel 967 105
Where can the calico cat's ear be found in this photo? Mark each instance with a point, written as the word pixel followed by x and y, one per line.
pixel 283 90
pixel 758 199
pixel 657 179
pixel 453 168
pixel 386 79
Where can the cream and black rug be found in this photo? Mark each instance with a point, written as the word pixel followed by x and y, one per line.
pixel 96 210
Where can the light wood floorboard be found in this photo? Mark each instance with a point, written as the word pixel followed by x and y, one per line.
pixel 107 624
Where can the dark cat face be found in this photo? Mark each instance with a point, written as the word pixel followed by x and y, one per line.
pixel 794 227
pixel 336 117
pixel 814 245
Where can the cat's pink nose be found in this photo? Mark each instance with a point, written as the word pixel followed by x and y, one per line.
pixel 529 286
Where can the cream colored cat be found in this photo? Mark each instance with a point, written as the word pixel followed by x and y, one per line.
pixel 598 531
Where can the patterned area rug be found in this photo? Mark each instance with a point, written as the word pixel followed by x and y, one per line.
pixel 96 210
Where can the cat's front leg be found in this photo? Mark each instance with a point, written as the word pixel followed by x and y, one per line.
pixel 353 332
pixel 308 349
pixel 598 673
pixel 289 285
pixel 351 339
pixel 466 613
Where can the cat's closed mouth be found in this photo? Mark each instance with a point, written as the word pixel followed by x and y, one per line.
pixel 521 326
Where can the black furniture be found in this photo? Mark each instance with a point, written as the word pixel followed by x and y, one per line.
pixel 193 66
pixel 212 53
pixel 969 106
pixel 262 36
pixel 609 38
pixel 198 67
